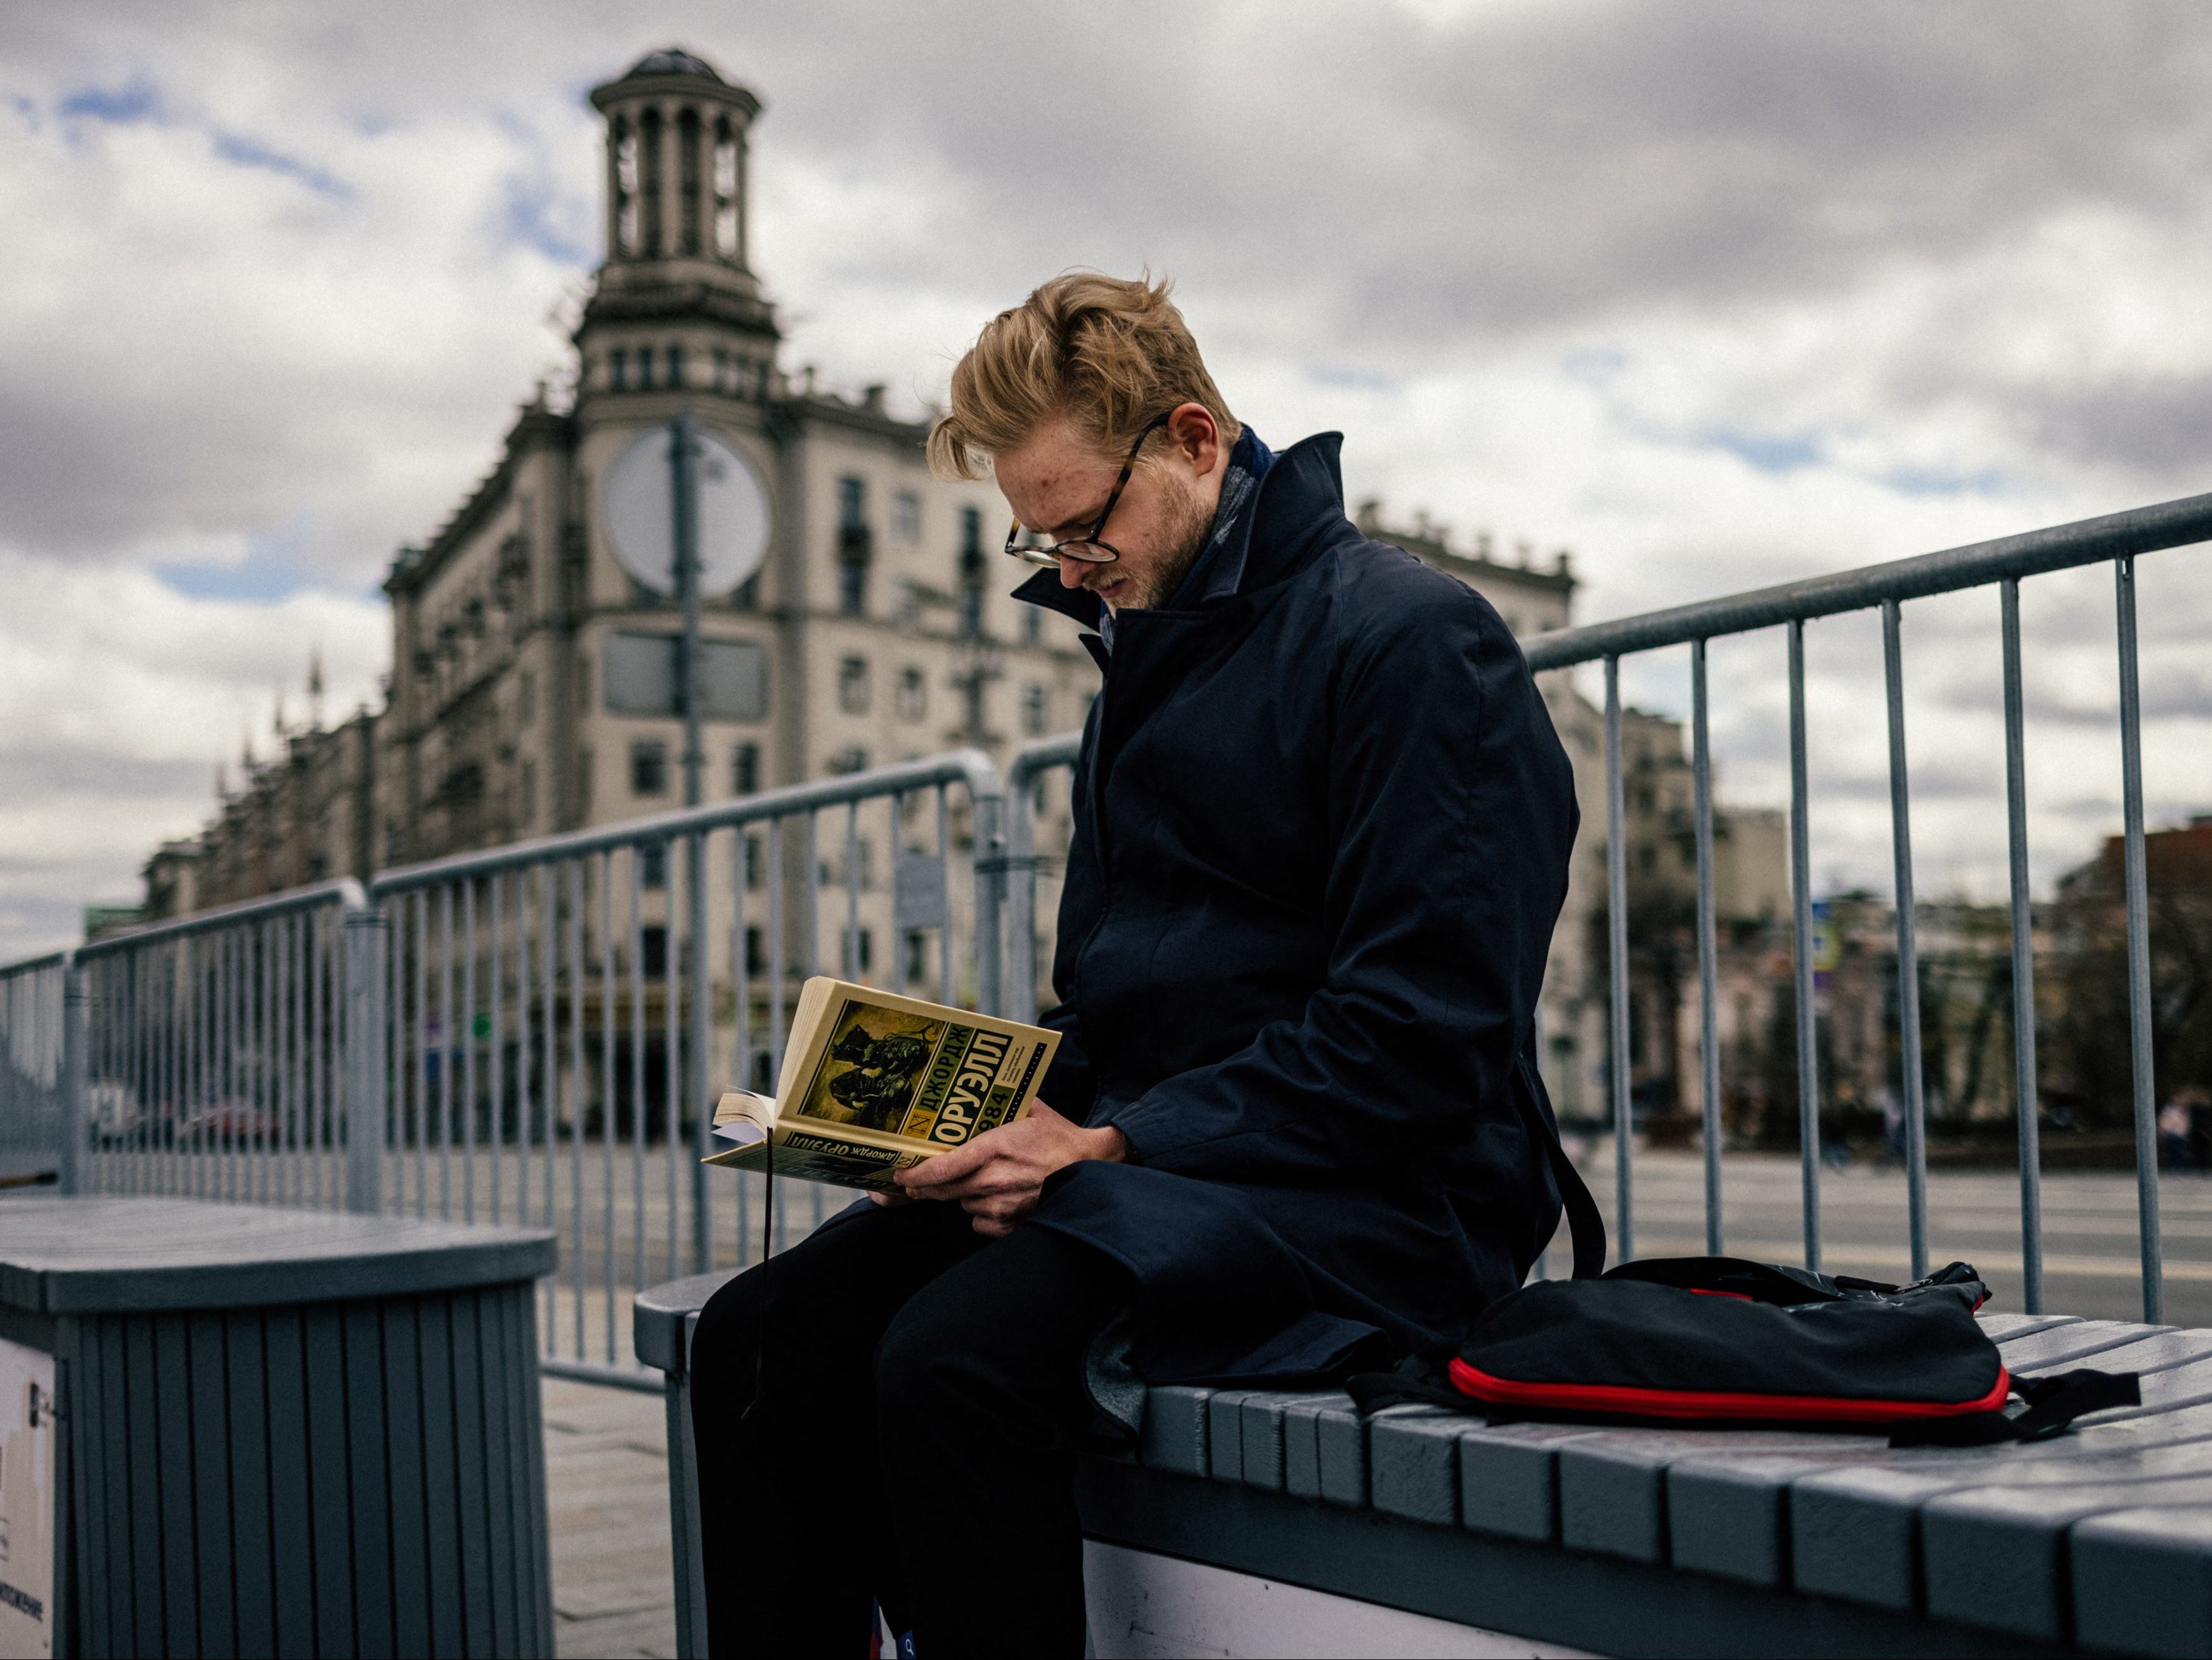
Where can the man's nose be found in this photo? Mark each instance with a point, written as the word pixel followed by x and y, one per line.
pixel 1070 572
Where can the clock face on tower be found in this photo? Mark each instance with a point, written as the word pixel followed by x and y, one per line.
pixel 637 506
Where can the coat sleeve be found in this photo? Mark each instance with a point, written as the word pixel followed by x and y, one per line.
pixel 1451 816
pixel 1069 1086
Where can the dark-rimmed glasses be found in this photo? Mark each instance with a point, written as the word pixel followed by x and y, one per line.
pixel 1087 547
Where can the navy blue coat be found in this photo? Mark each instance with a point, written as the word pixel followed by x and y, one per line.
pixel 1321 824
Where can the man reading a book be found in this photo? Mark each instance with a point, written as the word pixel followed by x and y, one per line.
pixel 1320 830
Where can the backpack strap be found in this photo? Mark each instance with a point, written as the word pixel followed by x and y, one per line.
pixel 1585 1227
pixel 1415 1382
pixel 2053 1403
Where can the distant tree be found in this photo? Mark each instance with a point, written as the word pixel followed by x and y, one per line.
pixel 2087 1044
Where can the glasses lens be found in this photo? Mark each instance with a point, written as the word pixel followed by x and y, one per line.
pixel 1088 553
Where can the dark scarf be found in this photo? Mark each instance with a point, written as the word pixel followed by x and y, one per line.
pixel 1215 575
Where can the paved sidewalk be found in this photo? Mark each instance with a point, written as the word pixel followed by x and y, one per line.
pixel 606 1478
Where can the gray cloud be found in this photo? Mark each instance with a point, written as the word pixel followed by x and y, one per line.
pixel 1721 292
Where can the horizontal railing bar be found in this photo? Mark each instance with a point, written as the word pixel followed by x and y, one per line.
pixel 52 960
pixel 970 767
pixel 344 891
pixel 2060 547
pixel 1042 755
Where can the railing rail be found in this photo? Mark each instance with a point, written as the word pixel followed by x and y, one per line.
pixel 2002 562
pixel 541 1014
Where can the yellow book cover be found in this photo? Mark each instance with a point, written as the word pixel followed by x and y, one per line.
pixel 874 1082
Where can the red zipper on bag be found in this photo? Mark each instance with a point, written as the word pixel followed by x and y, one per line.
pixel 1713 1403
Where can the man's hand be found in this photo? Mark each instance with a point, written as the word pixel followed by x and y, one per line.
pixel 996 1176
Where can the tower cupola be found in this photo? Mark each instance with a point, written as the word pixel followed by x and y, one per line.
pixel 677 207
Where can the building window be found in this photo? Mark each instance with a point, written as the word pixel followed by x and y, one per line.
pixel 526 709
pixel 617 370
pixel 725 190
pixel 584 796
pixel 971 572
pixel 652 864
pixel 755 952
pixel 648 767
pixel 626 220
pixel 913 695
pixel 906 515
pixel 529 807
pixel 852 685
pixel 855 546
pixel 848 761
pixel 675 366
pixel 1032 625
pixel 644 368
pixel 652 951
pixel 865 943
pixel 721 368
pixel 753 862
pixel 917 957
pixel 744 770
pixel 1033 710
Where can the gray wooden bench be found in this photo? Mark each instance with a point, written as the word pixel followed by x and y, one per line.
pixel 284 1432
pixel 1656 1541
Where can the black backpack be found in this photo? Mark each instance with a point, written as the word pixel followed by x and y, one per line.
pixel 1716 1341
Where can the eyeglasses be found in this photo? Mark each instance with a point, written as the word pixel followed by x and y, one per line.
pixel 1087 548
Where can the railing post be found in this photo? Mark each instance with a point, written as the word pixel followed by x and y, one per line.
pixel 1021 900
pixel 361 965
pixel 699 1085
pixel 990 901
pixel 1616 937
pixel 74 996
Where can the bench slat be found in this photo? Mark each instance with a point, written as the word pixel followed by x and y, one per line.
pixel 1173 1437
pixel 1997 1556
pixel 2010 1328
pixel 2143 1581
pixel 1412 1463
pixel 1613 1484
pixel 2056 1347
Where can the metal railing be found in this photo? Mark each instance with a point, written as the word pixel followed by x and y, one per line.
pixel 1025 776
pixel 221 1055
pixel 565 1011
pixel 2003 563
pixel 532 1033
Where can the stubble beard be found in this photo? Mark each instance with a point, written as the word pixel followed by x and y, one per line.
pixel 1186 536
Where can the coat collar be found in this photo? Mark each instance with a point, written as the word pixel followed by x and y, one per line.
pixel 1301 504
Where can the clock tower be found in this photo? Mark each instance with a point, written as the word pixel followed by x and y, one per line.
pixel 677 305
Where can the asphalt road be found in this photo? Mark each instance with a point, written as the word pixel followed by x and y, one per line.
pixel 611 1242
pixel 2092 1256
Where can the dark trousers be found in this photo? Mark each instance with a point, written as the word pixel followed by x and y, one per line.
pixel 912 1438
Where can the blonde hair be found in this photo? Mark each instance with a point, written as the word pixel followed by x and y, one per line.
pixel 1108 354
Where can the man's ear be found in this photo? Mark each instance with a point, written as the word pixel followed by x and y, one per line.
pixel 1194 431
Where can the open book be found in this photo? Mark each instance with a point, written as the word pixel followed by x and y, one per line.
pixel 874 1082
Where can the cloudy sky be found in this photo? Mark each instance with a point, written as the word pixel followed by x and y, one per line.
pixel 1716 294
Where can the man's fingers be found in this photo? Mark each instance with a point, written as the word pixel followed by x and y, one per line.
pixel 935 1172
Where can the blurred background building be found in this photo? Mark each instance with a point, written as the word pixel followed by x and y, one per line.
pixel 534 687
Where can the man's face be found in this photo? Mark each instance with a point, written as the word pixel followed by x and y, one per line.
pixel 1056 484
